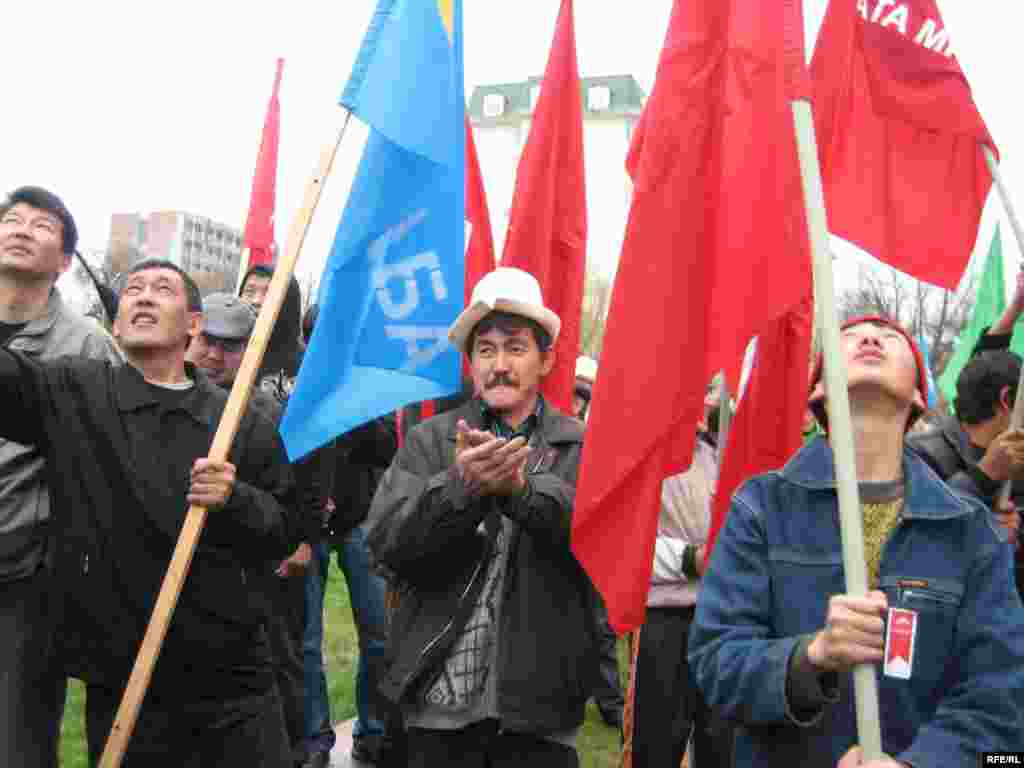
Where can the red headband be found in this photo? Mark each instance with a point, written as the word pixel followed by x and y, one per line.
pixel 922 375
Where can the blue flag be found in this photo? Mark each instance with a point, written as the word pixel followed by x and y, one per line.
pixel 394 278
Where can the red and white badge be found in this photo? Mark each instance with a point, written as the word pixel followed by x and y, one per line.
pixel 899 643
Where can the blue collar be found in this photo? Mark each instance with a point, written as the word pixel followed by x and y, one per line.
pixel 927 497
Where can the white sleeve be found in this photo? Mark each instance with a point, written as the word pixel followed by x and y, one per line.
pixel 668 560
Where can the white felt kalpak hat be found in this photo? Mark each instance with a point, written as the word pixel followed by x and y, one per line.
pixel 506 289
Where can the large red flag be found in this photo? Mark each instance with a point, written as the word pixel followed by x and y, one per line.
pixel 259 224
pixel 899 137
pixel 715 249
pixel 547 231
pixel 480 248
pixel 768 426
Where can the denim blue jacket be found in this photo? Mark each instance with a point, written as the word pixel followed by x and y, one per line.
pixel 777 562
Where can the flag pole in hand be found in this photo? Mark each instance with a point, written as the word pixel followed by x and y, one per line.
pixel 177 571
pixel 840 432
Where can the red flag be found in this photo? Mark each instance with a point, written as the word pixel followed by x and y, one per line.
pixel 547 233
pixel 768 428
pixel 259 224
pixel 899 137
pixel 480 249
pixel 715 249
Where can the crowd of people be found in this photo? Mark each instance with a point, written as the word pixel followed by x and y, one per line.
pixel 481 638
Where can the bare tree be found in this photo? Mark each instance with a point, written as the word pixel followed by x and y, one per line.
pixel 927 311
pixel 597 294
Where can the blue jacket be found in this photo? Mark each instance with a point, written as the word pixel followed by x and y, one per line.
pixel 777 562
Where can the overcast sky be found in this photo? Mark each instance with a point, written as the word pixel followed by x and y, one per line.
pixel 121 106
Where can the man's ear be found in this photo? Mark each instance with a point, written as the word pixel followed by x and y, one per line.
pixel 1004 399
pixel 549 361
pixel 195 324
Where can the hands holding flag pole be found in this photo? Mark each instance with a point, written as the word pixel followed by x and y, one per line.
pixel 177 572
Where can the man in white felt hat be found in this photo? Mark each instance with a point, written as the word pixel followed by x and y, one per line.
pixel 494 642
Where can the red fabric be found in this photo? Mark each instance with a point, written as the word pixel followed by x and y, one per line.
pixel 768 428
pixel 898 137
pixel 480 249
pixel 715 249
pixel 259 224
pixel 547 232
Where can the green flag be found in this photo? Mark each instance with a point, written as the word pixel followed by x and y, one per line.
pixel 989 305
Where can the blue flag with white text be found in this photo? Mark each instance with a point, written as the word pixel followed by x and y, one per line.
pixel 393 282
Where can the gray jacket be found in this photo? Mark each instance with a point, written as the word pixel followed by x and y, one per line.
pixel 24 499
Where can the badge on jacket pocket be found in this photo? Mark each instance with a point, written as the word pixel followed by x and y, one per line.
pixel 900 634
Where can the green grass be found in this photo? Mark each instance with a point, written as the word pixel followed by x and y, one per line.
pixel 598 744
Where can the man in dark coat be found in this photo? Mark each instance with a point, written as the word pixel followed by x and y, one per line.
pixel 975 451
pixel 495 639
pixel 125 448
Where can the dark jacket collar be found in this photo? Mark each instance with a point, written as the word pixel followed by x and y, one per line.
pixel 926 496
pixel 133 393
pixel 555 427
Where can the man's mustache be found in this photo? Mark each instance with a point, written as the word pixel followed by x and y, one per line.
pixel 498 379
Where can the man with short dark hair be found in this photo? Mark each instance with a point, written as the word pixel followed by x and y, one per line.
pixel 775 636
pixel 495 637
pixel 38 237
pixel 975 451
pixel 127 448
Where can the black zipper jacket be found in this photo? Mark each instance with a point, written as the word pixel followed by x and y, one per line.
pixel 119 465
pixel 437 543
pixel 946 450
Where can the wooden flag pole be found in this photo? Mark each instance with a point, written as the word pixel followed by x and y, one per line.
pixel 243 267
pixel 869 732
pixel 177 571
pixel 1017 415
pixel 1004 195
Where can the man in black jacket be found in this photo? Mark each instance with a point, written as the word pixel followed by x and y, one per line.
pixel 494 640
pixel 975 451
pixel 125 447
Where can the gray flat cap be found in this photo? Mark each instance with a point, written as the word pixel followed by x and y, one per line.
pixel 227 317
